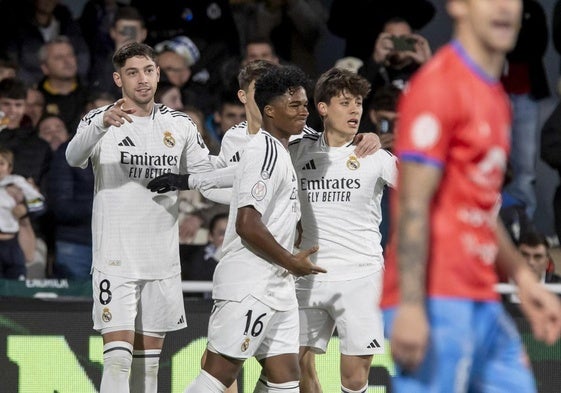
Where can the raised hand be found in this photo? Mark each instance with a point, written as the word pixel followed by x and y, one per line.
pixel 117 114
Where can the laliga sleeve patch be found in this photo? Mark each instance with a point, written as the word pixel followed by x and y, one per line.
pixel 425 131
pixel 259 190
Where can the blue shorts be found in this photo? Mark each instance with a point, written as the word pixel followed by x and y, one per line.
pixel 474 347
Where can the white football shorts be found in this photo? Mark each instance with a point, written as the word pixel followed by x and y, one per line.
pixel 251 328
pixel 351 306
pixel 140 305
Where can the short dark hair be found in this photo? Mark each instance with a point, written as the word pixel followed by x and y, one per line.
pixel 130 50
pixel 385 98
pixel 128 13
pixel 214 220
pixel 13 88
pixel 533 239
pixel 337 80
pixel 276 82
pixel 253 70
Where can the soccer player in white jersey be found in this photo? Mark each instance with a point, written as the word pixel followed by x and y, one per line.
pixel 340 197
pixel 256 312
pixel 136 270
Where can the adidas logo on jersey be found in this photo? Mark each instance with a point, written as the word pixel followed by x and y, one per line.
pixel 235 157
pixel 309 165
pixel 127 142
pixel 373 344
pixel 181 320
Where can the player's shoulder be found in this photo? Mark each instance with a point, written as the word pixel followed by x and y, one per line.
pixel 167 112
pixel 175 117
pixel 235 132
pixel 305 138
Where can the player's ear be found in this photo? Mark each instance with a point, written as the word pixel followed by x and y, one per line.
pixel 322 109
pixel 242 97
pixel 268 110
pixel 456 8
pixel 117 79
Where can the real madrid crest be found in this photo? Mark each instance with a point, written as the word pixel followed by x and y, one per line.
pixel 169 140
pixel 245 344
pixel 106 315
pixel 352 163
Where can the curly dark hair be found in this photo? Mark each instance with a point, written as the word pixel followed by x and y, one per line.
pixel 276 82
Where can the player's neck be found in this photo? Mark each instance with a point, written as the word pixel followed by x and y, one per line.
pixel 253 125
pixel 334 138
pixel 142 110
pixel 490 61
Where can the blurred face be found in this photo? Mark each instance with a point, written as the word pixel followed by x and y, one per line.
pixel 13 109
pixel 263 51
pixel 53 131
pixel 60 62
pixel 536 257
pixel 34 105
pixel 397 28
pixel 6 73
pixel 491 24
pixel 216 236
pixel 138 79
pixel 342 115
pixel 126 31
pixel 172 99
pixel 5 167
pixel 174 67
pixel 229 116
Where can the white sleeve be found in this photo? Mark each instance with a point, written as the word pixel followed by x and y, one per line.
pixel 90 131
pixel 219 195
pixel 218 178
pixel 389 170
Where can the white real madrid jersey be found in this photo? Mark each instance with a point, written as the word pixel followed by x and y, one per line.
pixel 135 231
pixel 340 198
pixel 265 179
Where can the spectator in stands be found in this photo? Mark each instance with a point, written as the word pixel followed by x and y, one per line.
pixel 259 48
pixel 198 117
pixel 18 199
pixel 198 262
pixel 31 154
pixel 8 69
pixel 361 24
pixel 96 21
pixel 97 99
pixel 65 95
pixel 52 129
pixel 525 81
pixel 34 105
pixel 127 26
pixel 176 57
pixel 229 112
pixel 397 54
pixel 169 95
pixel 294 27
pixel 45 20
pixel 535 249
pixel 70 195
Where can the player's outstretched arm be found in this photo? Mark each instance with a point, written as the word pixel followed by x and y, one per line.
pixel 252 230
pixel 541 307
